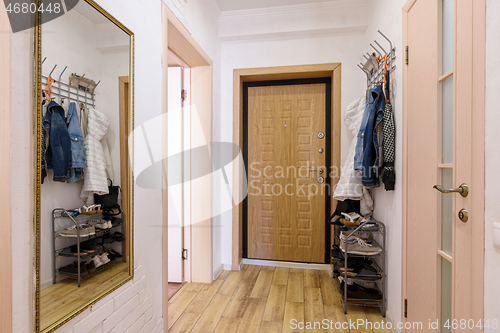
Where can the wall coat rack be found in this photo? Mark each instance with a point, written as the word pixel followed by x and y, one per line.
pixel 81 94
pixel 375 65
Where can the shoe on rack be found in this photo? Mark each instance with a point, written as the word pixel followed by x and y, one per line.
pixel 112 254
pixel 88 246
pixel 356 291
pixel 91 267
pixel 72 269
pixel 116 221
pixel 118 237
pixel 99 223
pixel 85 231
pixel 97 261
pixel 358 245
pixel 74 250
pixel 104 258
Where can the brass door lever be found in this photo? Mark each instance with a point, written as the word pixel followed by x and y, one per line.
pixel 463 189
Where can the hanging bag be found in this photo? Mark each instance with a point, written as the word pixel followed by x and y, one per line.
pixel 108 201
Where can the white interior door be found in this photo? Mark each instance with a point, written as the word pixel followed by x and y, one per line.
pixel 443 282
pixel 175 170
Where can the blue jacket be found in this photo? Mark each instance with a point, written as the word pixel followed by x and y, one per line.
pixel 77 162
pixel 368 150
pixel 58 153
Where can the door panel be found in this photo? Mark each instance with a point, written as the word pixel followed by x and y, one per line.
pixel 286 204
pixel 440 282
pixel 175 193
pixel 422 270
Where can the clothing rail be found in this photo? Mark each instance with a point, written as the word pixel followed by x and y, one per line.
pixel 65 91
pixel 374 67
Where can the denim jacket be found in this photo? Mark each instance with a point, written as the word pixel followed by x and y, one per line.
pixel 77 163
pixel 372 152
pixel 58 153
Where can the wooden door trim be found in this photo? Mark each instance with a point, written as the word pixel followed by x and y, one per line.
pixel 123 110
pixel 332 70
pixel 5 236
pixel 177 39
pixel 478 153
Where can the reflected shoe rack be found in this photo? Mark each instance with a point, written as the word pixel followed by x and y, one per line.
pixel 101 241
pixel 362 264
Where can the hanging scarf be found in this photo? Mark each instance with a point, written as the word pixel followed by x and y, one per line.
pixel 388 173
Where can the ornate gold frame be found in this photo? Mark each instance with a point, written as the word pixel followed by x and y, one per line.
pixel 38 166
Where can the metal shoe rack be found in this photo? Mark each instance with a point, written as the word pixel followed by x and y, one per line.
pixel 61 213
pixel 380 267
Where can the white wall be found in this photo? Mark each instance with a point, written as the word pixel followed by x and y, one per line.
pixel 387 16
pixel 141 299
pixel 492 209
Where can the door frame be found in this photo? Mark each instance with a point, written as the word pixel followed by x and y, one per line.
pixel 5 237
pixel 477 40
pixel 240 76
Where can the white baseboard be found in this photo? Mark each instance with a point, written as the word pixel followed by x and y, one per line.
pixel 288 264
pixel 46 284
pixel 218 271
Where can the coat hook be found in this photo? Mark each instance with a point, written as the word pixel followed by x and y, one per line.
pixel 385 52
pixel 373 47
pixel 390 43
pixel 78 87
pixel 44 60
pixel 59 85
pixel 52 70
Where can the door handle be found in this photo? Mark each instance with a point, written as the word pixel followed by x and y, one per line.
pixel 320 171
pixel 463 189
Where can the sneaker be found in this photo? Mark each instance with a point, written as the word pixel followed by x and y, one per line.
pixel 110 225
pixel 89 228
pixel 97 261
pixel 99 223
pixel 104 258
pixel 357 245
pixel 73 231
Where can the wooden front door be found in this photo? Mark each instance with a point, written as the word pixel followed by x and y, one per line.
pixel 443 123
pixel 286 200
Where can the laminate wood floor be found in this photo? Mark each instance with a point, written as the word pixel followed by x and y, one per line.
pixel 261 299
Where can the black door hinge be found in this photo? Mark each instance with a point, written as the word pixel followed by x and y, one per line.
pixel 406 308
pixel 184 254
pixel 407 54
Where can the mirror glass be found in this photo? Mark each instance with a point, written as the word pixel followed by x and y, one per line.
pixel 84 248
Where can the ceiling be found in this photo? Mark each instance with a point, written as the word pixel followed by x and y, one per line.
pixel 226 5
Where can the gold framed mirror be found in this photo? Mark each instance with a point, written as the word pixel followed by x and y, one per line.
pixel 84 197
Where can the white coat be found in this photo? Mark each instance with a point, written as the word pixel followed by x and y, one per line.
pixel 349 185
pixel 98 167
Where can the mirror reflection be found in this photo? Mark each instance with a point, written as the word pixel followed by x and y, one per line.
pixel 85 223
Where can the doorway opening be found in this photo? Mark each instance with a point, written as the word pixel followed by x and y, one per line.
pixel 287 152
pixel 179 196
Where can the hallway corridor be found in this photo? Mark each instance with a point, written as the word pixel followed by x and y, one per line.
pixel 263 299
